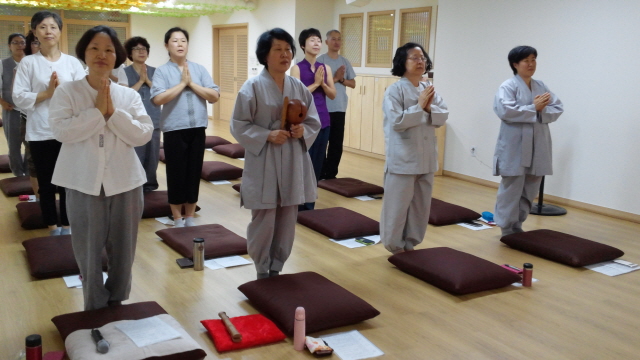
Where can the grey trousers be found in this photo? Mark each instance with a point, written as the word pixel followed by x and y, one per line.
pixel 405 210
pixel 270 237
pixel 101 222
pixel 515 197
pixel 149 155
pixel 11 124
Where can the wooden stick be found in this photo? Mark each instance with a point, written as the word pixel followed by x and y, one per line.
pixel 285 107
pixel 236 337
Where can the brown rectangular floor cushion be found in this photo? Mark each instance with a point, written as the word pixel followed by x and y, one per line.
pixel 4 164
pixel 156 204
pixel 339 223
pixel 15 186
pixel 350 187
pixel 211 141
pixel 183 348
pixel 327 305
pixel 52 256
pixel 453 271
pixel 30 215
pixel 218 240
pixel 560 247
pixel 444 213
pixel 218 170
pixel 236 187
pixel 231 150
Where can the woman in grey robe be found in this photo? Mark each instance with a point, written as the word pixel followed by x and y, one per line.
pixel 523 152
pixel 278 174
pixel 412 111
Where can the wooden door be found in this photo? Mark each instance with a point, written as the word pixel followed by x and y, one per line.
pixel 231 61
pixel 354 112
pixel 368 106
pixel 377 139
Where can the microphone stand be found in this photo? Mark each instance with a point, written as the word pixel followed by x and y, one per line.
pixel 546 209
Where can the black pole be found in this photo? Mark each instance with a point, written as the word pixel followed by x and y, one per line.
pixel 546 209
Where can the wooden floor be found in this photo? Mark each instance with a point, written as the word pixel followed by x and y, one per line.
pixel 569 314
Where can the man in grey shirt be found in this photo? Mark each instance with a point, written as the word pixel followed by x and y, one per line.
pixel 343 76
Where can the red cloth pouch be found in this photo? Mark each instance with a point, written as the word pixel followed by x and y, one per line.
pixel 256 330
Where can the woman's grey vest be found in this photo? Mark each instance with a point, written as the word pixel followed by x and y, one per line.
pixel 153 110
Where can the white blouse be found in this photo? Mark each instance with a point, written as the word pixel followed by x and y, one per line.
pixel 32 77
pixel 96 152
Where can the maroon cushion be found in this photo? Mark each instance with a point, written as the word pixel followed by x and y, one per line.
pixel 211 141
pixel 4 164
pixel 15 186
pixel 218 170
pixel 444 213
pixel 339 223
pixel 236 187
pixel 91 319
pixel 231 150
pixel 218 240
pixel 161 155
pixel 453 271
pixel 327 305
pixel 156 204
pixel 350 187
pixel 30 215
pixel 563 248
pixel 52 256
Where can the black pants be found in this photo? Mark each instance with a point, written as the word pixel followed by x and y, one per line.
pixel 45 154
pixel 184 152
pixel 334 151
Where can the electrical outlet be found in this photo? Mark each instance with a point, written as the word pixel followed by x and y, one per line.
pixel 474 150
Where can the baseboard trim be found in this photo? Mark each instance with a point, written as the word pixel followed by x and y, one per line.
pixel 364 153
pixel 618 214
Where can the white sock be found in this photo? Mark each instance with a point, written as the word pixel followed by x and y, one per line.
pixel 188 221
pixel 178 222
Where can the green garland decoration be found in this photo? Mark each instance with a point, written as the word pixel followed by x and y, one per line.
pixel 188 9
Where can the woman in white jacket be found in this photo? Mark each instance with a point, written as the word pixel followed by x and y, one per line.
pixel 99 123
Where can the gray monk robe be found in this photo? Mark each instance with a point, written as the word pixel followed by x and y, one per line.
pixel 523 151
pixel 276 178
pixel 411 161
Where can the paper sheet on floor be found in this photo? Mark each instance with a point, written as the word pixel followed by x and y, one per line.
pixel 611 268
pixel 225 262
pixel 354 243
pixel 519 284
pixel 352 346
pixel 220 182
pixel 73 281
pixel 32 198
pixel 478 225
pixel 209 150
pixel 364 198
pixel 148 331
pixel 165 220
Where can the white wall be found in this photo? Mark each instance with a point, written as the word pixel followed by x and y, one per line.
pixel 587 55
pixel 341 7
pixel 153 29
pixel 313 14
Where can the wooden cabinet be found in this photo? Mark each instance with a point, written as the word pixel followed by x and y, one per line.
pixel 363 131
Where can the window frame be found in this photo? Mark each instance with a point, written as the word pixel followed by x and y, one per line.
pixel 361 17
pixel 368 63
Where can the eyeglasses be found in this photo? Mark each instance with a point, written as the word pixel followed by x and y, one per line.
pixel 418 59
pixel 22 43
pixel 141 49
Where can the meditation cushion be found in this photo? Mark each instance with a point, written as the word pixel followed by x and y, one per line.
pixel 563 248
pixel 156 204
pixel 161 155
pixel 4 164
pixel 255 329
pixel 453 271
pixel 218 240
pixel 327 305
pixel 211 141
pixel 236 187
pixel 339 223
pixel 30 215
pixel 350 187
pixel 444 213
pixel 218 170
pixel 52 256
pixel 184 348
pixel 231 150
pixel 15 186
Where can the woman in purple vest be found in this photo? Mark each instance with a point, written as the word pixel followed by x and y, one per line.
pixel 138 77
pixel 319 80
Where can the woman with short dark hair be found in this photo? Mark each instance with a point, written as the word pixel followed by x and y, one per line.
pixel 183 88
pixel 412 111
pixel 99 123
pixel 278 174
pixel 138 76
pixel 10 113
pixel 37 77
pixel 523 151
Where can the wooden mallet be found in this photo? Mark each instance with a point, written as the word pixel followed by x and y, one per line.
pixel 285 107
pixel 236 337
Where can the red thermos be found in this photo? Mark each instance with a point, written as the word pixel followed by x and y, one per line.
pixel 34 347
pixel 527 274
